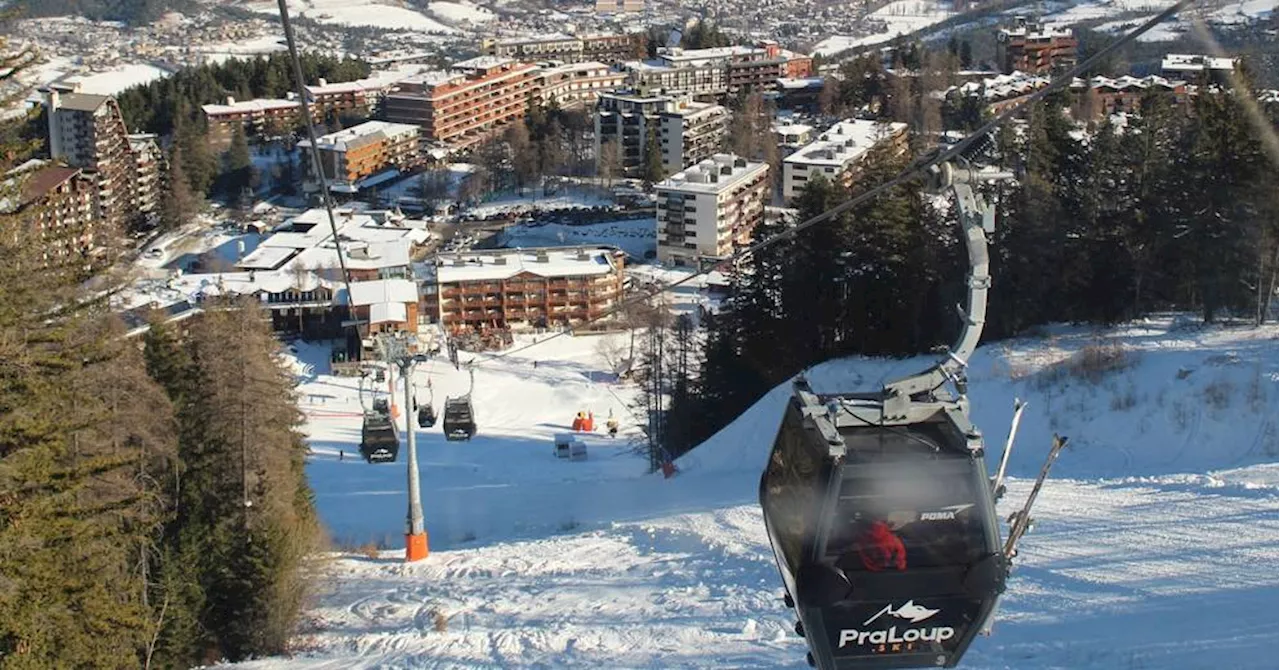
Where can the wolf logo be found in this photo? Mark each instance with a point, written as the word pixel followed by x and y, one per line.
pixel 909 610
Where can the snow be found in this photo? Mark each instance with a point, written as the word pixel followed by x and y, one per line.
pixel 1161 511
pixel 634 236
pixel 569 198
pixel 365 13
pixel 1174 29
pixel 460 11
pixel 900 17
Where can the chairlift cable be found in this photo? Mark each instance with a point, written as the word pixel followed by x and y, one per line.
pixel 908 174
pixel 300 86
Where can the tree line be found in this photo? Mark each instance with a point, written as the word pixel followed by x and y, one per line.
pixel 153 507
pixel 171 108
pixel 1174 211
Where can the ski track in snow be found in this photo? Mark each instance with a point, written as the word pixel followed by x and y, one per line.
pixel 1155 545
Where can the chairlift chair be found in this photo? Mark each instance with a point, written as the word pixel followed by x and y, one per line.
pixel 459 419
pixel 905 458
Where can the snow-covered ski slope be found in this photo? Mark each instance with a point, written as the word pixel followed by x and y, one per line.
pixel 1156 542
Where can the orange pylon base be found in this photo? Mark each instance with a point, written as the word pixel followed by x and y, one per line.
pixel 415 547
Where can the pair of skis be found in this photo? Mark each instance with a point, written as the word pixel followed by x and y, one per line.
pixel 1020 521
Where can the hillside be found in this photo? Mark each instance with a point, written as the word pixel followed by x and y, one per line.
pixel 1170 478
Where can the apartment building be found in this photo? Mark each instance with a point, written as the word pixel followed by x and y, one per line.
pixel 573 84
pixel 683 130
pixel 691 132
pixel 61 202
pixel 524 289
pixel 263 116
pixel 147 174
pixel 1106 96
pixel 88 132
pixel 349 156
pixel 610 49
pixel 462 107
pixel 655 78
pixel 1029 46
pixel 838 152
pixel 708 209
pixel 1199 70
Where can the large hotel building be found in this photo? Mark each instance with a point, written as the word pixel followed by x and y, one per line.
pixel 707 209
pixel 524 289
pixel 462 107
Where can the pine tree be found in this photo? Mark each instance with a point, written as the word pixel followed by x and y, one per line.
pixel 652 171
pixel 85 455
pixel 239 171
pixel 248 509
pixel 178 205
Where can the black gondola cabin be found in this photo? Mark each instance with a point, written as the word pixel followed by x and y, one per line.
pixel 379 442
pixel 830 477
pixel 459 419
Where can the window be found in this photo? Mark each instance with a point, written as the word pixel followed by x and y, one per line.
pixel 930 503
pixel 791 490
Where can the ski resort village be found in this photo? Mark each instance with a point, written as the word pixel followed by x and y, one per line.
pixel 637 334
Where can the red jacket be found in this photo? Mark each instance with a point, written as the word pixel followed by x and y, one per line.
pixel 880 549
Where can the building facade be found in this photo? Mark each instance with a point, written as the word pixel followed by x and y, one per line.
pixel 709 209
pixel 684 131
pixel 690 132
pixel 1199 70
pixel 838 152
pixel 88 132
pixel 610 49
pixel 264 116
pixel 349 156
pixel 524 289
pixel 61 203
pixel 463 107
pixel 575 84
pixel 148 170
pixel 1028 46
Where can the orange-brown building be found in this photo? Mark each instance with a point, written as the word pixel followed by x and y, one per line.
pixel 351 155
pixel 61 202
pixel 462 107
pixel 524 289
pixel 1108 96
pixel 261 116
pixel 1028 46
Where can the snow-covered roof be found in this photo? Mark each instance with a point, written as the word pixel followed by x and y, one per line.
pixel 681 57
pixel 362 135
pixel 716 174
pixel 1196 63
pixel 392 312
pixel 383 290
pixel 482 63
pixel 234 106
pixel 797 83
pixel 844 142
pixel 1128 82
pixel 266 258
pixel 504 264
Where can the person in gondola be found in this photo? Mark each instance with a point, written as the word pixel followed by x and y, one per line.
pixel 880 549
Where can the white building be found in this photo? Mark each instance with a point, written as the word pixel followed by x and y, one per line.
pixel 684 131
pixel 837 153
pixel 709 208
